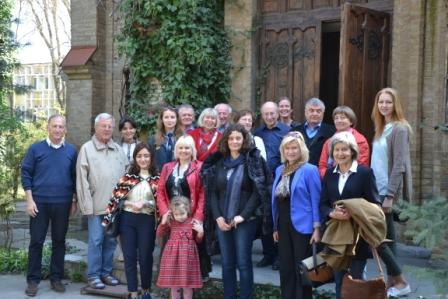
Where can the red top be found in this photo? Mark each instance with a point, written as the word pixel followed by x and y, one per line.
pixel 363 157
pixel 194 184
pixel 196 134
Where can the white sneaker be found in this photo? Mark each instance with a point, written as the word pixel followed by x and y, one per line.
pixel 396 292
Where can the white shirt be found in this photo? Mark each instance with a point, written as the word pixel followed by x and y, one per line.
pixel 128 149
pixel 56 146
pixel 343 177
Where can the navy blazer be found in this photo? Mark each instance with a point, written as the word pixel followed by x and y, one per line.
pixel 161 153
pixel 304 199
pixel 316 143
pixel 360 184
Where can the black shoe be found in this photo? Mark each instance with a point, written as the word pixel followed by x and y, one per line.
pixel 57 286
pixel 31 289
pixel 264 262
pixel 276 265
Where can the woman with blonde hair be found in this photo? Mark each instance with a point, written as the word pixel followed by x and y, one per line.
pixel 391 164
pixel 167 132
pixel 206 135
pixel 295 211
pixel 181 178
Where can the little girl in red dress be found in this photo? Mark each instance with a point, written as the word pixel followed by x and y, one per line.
pixel 179 266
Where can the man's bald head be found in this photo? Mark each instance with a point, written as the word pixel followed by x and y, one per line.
pixel 269 113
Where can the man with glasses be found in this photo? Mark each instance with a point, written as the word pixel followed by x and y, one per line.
pixel 101 163
pixel 186 116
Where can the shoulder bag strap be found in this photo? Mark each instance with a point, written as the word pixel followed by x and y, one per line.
pixel 377 259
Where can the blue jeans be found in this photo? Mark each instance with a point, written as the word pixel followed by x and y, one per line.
pixel 101 250
pixel 236 253
pixel 57 214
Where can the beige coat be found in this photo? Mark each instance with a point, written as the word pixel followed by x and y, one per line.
pixel 98 169
pixel 340 236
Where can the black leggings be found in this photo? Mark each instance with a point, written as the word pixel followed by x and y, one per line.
pixel 387 251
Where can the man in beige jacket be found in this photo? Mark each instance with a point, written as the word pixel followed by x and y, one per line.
pixel 101 162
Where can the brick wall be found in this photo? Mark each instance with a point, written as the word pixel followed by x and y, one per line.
pixel 79 105
pixel 419 53
pixel 419 68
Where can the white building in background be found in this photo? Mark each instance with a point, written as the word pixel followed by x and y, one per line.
pixel 40 101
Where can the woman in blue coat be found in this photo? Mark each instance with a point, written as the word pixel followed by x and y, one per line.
pixel 295 210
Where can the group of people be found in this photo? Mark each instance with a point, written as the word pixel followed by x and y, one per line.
pixel 215 186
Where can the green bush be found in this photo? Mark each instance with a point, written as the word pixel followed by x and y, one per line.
pixel 426 226
pixel 178 52
pixel 213 289
pixel 16 260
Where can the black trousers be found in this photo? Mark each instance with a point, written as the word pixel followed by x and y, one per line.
pixel 137 237
pixel 293 247
pixel 57 214
pixel 270 248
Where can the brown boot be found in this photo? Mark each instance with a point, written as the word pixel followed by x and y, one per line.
pixel 31 289
pixel 57 286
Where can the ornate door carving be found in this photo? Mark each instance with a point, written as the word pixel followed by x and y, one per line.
pixel 364 57
pixel 290 62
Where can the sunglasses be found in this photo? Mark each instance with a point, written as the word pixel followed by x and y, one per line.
pixel 295 134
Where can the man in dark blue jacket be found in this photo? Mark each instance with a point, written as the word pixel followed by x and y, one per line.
pixel 314 130
pixel 48 178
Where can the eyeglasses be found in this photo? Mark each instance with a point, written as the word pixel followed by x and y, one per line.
pixel 106 127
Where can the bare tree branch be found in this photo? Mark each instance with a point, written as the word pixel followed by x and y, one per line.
pixel 48 23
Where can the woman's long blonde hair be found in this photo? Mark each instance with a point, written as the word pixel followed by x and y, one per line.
pixel 397 113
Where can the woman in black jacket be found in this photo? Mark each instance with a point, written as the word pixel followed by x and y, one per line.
pixel 235 184
pixel 348 180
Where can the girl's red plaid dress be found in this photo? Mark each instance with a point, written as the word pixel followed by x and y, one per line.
pixel 179 266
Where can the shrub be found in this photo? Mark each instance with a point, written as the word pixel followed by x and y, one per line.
pixel 178 52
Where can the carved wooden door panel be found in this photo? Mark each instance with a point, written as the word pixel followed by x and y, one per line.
pixel 363 62
pixel 290 62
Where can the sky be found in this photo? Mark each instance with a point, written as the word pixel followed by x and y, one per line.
pixel 26 32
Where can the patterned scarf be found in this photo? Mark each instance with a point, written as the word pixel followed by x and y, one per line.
pixel 290 168
pixel 122 189
pixel 282 191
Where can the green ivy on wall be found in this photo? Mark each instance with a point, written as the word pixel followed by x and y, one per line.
pixel 178 51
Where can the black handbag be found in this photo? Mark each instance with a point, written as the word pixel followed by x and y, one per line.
pixel 315 271
pixel 112 229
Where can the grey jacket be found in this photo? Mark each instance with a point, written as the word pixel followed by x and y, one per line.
pixel 399 163
pixel 98 169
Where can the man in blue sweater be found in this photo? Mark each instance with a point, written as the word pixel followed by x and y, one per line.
pixel 48 178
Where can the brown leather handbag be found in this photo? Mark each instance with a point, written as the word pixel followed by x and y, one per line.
pixel 315 271
pixel 366 289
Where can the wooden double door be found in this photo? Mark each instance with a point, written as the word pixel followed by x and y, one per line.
pixel 336 51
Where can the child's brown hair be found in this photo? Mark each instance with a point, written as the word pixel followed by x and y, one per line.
pixel 181 203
